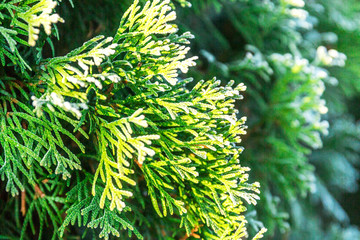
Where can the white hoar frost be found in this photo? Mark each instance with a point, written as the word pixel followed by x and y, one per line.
pixel 58 100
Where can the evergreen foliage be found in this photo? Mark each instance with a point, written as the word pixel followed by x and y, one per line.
pixel 108 138
pixel 114 139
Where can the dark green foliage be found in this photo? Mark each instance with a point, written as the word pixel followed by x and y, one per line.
pixel 108 141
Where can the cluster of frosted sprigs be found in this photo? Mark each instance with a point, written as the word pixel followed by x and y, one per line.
pixel 57 100
pixel 258 61
pixel 300 17
pixel 45 19
pixel 310 114
pixel 81 80
pixel 86 81
pixel 329 57
pixel 98 55
pixel 298 65
pixel 297 12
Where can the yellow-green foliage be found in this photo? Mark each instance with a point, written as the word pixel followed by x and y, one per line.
pixel 110 137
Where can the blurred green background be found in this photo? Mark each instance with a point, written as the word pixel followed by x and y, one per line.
pixel 300 62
